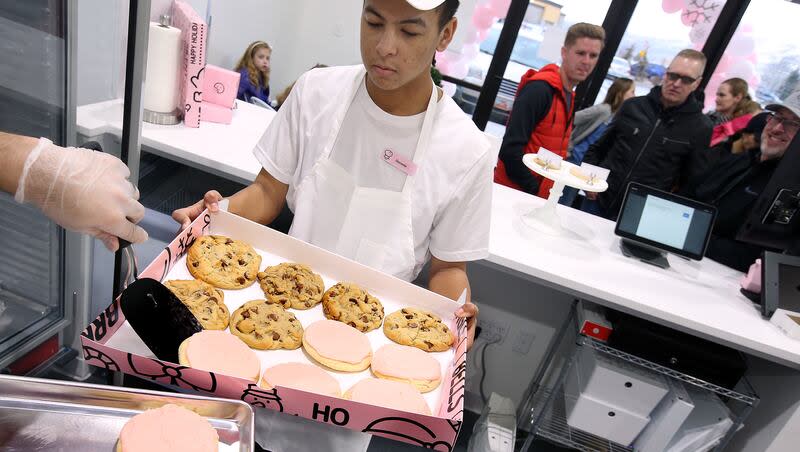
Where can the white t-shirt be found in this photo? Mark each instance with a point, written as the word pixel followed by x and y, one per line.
pixel 367 131
pixel 452 195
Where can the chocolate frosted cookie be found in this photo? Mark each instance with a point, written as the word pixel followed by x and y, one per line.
pixel 266 326
pixel 291 285
pixel 223 262
pixel 418 328
pixel 350 304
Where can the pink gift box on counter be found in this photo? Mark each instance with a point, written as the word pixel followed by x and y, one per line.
pixel 193 34
pixel 210 112
pixel 219 87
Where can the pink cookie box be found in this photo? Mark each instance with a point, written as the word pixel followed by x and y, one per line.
pixel 219 86
pixel 193 34
pixel 109 342
pixel 215 113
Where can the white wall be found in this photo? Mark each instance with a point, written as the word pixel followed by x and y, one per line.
pixel 302 34
pixel 526 308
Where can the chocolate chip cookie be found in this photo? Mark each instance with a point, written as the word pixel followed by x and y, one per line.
pixel 205 302
pixel 266 326
pixel 350 304
pixel 223 262
pixel 291 285
pixel 418 328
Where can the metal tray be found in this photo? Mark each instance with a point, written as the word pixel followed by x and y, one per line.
pixel 50 415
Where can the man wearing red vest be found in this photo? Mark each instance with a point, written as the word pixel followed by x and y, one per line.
pixel 544 108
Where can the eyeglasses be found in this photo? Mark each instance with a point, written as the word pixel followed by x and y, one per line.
pixel 685 79
pixel 789 125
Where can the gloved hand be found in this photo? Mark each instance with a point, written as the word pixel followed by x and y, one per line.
pixel 83 191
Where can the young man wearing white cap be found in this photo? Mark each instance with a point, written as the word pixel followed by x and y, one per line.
pixel 375 162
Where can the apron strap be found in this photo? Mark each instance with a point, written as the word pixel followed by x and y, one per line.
pixel 424 136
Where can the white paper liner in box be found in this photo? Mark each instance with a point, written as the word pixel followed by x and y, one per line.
pixel 110 342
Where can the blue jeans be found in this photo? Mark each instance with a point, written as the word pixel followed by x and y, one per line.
pixel 592 207
pixel 568 196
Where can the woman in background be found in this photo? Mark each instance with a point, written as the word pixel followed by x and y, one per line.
pixel 590 123
pixel 254 68
pixel 730 94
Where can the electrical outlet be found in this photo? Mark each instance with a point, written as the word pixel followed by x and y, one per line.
pixel 522 342
pixel 494 331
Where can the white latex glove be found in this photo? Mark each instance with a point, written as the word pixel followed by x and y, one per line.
pixel 83 191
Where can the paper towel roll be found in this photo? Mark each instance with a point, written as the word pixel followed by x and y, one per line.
pixel 163 66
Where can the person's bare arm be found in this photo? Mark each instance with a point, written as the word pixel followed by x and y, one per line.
pixel 449 279
pixel 14 149
pixel 260 201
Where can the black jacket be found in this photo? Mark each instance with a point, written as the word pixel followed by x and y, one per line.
pixel 646 143
pixel 733 185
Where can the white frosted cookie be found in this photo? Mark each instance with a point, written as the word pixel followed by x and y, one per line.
pixel 337 345
pixel 306 377
pixel 390 394
pixel 220 352
pixel 407 364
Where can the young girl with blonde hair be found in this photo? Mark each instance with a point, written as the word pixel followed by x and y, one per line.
pixel 254 68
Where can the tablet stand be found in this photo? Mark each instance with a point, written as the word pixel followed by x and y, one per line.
pixel 644 253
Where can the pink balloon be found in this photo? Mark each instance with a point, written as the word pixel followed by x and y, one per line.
pixel 482 34
pixel 443 62
pixel 742 44
pixel 686 19
pixel 470 51
pixel 471 36
pixel 499 7
pixel 671 6
pixel 459 69
pixel 483 17
pixel 724 63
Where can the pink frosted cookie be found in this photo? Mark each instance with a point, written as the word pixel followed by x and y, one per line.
pixel 337 345
pixel 407 364
pixel 306 377
pixel 220 352
pixel 388 393
pixel 168 429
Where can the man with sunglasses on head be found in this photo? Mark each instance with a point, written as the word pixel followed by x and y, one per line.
pixel 657 140
pixel 735 183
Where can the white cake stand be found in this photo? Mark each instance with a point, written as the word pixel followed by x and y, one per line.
pixel 545 218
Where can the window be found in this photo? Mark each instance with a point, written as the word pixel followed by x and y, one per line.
pixel 761 53
pixel 657 31
pixel 538 43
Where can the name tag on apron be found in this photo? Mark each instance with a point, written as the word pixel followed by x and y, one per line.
pixel 400 162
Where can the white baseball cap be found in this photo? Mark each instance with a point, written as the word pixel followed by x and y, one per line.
pixel 425 5
pixel 791 103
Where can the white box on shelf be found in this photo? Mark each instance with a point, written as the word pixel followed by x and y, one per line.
pixel 707 424
pixel 619 383
pixel 788 322
pixel 599 417
pixel 666 419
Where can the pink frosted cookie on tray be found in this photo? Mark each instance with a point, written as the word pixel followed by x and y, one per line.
pixel 168 429
pixel 220 352
pixel 306 377
pixel 407 364
pixel 337 345
pixel 389 394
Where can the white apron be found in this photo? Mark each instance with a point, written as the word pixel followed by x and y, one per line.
pixel 369 225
